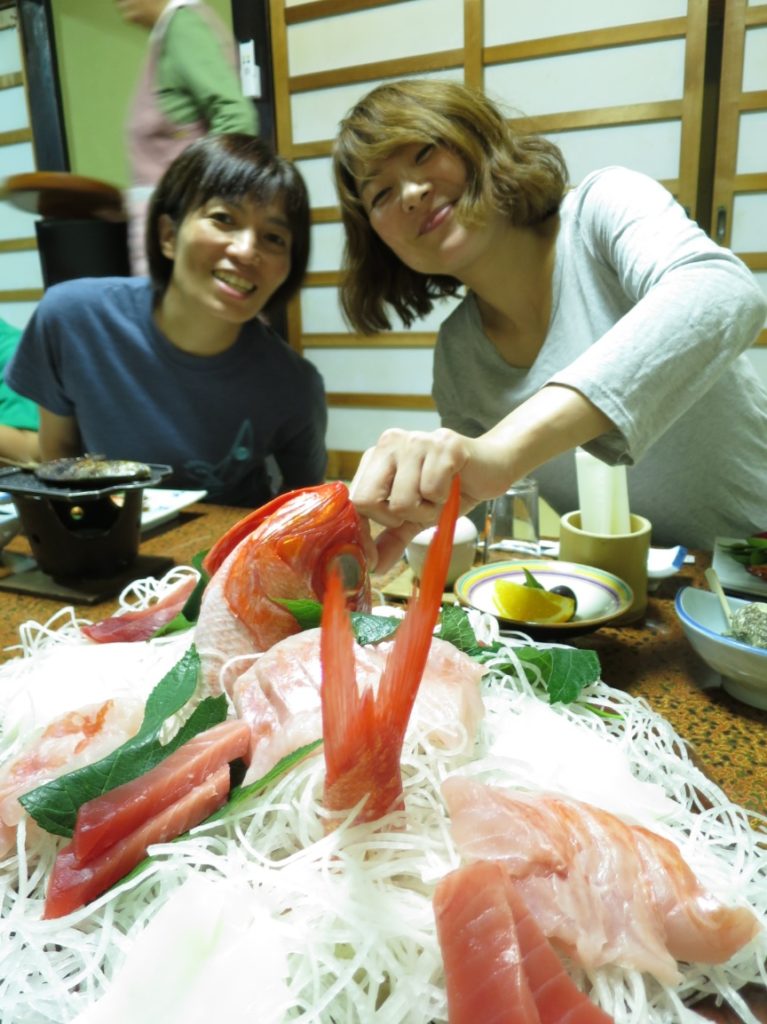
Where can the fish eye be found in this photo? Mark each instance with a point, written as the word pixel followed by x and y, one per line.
pixel 349 569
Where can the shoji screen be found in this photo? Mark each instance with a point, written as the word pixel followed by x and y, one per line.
pixel 740 185
pixel 611 83
pixel 20 277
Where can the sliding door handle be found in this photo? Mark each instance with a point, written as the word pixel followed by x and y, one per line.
pixel 721 223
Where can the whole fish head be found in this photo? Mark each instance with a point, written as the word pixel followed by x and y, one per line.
pixel 315 532
pixel 284 550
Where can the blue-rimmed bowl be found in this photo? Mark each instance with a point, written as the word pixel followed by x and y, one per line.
pixel 743 668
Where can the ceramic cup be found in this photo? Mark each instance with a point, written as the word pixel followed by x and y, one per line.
pixel 623 554
pixel 512 526
pixel 464 550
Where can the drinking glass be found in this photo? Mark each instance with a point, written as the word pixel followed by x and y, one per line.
pixel 512 529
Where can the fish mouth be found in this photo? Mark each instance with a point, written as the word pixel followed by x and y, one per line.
pixel 235 281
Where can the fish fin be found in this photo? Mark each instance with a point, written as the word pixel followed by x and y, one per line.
pixel 340 696
pixel 412 641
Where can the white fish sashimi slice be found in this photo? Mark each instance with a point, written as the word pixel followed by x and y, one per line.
pixel 279 696
pixel 212 953
pixel 542 749
pixel 606 891
pixel 36 691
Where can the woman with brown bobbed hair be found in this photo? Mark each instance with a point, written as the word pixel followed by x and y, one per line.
pixel 598 315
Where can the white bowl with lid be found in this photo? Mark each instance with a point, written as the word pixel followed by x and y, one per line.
pixel 464 549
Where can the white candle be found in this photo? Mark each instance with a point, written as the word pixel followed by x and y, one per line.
pixel 602 495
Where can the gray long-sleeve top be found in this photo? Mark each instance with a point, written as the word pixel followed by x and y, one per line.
pixel 649 321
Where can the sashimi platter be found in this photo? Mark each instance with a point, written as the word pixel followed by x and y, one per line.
pixel 246 798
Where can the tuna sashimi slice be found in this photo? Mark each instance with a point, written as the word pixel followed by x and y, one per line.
pixel 557 998
pixel 105 820
pixel 141 625
pixel 71 886
pixel 485 978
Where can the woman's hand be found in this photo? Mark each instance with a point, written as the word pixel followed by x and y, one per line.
pixel 405 479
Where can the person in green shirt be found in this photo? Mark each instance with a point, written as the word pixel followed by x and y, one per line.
pixel 18 415
pixel 189 87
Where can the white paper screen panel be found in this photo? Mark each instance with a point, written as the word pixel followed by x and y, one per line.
pixel 20 270
pixel 382 33
pixel 315 114
pixel 755 59
pixel 752 144
pixel 13 109
pixel 327 247
pixel 16 159
pixel 642 73
pixel 17 313
pixel 757 3
pixel 321 313
pixel 16 223
pixel 10 53
pixel 404 371
pixel 318 175
pixel 358 429
pixel 651 148
pixel 507 22
pixel 749 222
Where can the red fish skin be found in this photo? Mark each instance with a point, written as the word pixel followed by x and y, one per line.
pixel 485 979
pixel 283 551
pixel 141 625
pixel 72 886
pixel 107 819
pixel 363 734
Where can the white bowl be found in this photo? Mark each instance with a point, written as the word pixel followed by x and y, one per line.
pixel 743 668
pixel 464 549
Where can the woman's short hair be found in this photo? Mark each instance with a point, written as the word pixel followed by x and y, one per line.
pixel 230 167
pixel 521 175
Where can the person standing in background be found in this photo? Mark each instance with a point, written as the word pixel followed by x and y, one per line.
pixel 189 87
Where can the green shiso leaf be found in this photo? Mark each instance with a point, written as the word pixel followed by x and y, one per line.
pixel 565 671
pixel 54 805
pixel 368 629
pixel 189 614
pixel 242 793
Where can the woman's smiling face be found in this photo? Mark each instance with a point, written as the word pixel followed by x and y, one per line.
pixel 229 258
pixel 410 200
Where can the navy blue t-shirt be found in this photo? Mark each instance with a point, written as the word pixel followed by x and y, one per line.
pixel 93 351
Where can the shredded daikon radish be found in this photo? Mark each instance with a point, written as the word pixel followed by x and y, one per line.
pixel 353 906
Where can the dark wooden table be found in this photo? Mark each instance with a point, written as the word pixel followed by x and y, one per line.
pixel 650 658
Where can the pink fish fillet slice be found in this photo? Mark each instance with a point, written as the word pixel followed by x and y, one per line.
pixel 363 733
pixel 499 967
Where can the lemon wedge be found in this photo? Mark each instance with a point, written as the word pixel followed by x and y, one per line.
pixel 528 604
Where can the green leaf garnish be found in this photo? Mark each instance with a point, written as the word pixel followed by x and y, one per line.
pixel 368 629
pixel 456 629
pixel 531 581
pixel 566 672
pixel 190 613
pixel 54 805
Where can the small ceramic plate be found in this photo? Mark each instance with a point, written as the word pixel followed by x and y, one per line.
pixel 601 597
pixel 161 505
pixel 732 575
